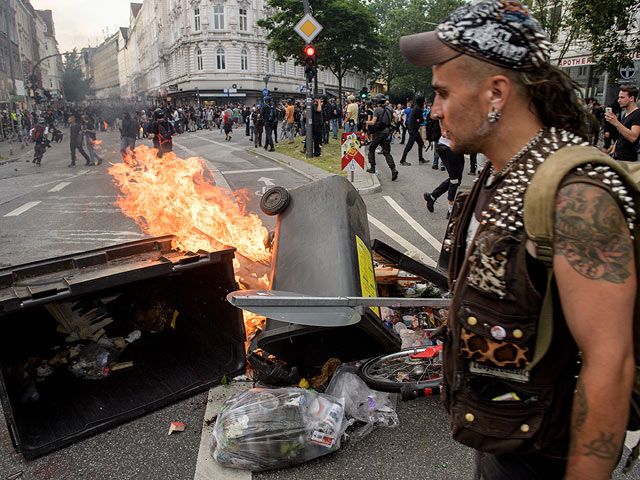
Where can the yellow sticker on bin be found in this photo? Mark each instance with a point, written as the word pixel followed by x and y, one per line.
pixel 367 275
pixel 173 320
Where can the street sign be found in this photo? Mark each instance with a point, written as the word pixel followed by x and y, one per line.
pixel 308 28
pixel 173 88
pixel 627 73
pixel 230 90
pixel 265 92
pixel 352 151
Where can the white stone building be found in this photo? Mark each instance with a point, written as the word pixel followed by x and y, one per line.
pixel 192 50
pixel 50 69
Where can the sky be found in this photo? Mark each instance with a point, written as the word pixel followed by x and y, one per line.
pixel 79 23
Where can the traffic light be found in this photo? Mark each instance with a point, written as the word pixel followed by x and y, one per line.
pixel 310 62
pixel 364 92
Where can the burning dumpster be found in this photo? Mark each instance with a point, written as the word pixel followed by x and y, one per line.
pixel 95 339
pixel 322 248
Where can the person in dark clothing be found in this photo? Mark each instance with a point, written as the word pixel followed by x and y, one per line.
pixel 454 163
pixel 75 141
pixel 128 134
pixel 41 141
pixel 381 122
pixel 433 135
pixel 270 119
pixel 161 132
pixel 414 133
pixel 317 118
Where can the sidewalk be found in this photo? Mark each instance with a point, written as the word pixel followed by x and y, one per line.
pixel 14 152
pixel 365 183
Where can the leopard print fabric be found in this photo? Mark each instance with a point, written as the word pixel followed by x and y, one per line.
pixel 489 273
pixel 500 354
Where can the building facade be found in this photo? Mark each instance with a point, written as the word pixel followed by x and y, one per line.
pixel 104 66
pixel 9 55
pixel 51 68
pixel 185 51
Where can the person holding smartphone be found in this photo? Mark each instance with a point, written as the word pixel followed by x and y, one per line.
pixel 628 126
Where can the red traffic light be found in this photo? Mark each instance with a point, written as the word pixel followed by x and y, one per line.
pixel 310 50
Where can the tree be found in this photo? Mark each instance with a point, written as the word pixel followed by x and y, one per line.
pixel 405 17
pixel 349 39
pixel 611 28
pixel 75 87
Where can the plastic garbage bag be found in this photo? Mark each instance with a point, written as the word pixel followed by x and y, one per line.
pixel 262 429
pixel 273 373
pixel 93 362
pixel 360 402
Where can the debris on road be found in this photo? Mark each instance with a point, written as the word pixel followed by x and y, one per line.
pixel 264 429
pixel 176 427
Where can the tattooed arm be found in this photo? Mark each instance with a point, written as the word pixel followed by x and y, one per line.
pixel 595 273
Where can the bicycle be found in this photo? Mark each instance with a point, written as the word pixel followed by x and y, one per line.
pixel 412 372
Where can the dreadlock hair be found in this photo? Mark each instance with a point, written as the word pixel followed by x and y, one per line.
pixel 552 94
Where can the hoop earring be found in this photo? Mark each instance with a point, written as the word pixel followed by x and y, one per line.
pixel 494 115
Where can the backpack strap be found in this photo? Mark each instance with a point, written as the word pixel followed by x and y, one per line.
pixel 539 219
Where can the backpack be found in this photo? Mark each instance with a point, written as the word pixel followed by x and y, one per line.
pixel 271 116
pixel 539 215
pixel 38 132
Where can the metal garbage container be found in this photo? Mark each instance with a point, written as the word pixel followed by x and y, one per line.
pixel 190 337
pixel 322 248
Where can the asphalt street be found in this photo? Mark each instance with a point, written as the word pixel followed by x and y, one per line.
pixel 53 210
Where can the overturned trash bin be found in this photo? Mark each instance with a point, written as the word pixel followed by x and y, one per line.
pixel 94 339
pixel 322 248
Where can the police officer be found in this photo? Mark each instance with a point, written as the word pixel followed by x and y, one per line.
pixel 383 117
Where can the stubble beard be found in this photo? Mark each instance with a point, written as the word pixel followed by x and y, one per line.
pixel 473 144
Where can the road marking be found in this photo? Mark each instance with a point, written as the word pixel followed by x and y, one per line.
pixel 206 467
pixel 251 170
pixel 416 226
pixel 400 240
pixel 68 177
pixel 227 145
pixel 218 177
pixel 22 209
pixel 59 187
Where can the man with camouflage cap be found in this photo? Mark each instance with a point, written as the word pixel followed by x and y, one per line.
pixel 562 414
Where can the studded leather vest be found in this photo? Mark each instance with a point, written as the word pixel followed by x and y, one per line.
pixel 495 403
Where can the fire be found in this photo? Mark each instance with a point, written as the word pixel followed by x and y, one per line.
pixel 172 195
pixel 105 126
pixel 252 322
pixel 95 143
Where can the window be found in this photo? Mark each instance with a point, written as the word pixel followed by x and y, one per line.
pixel 284 68
pixel 44 27
pixel 196 19
pixel 244 59
pixel 273 62
pixel 242 19
pixel 50 83
pixel 267 63
pixel 198 59
pixel 220 62
pixel 46 47
pixel 218 18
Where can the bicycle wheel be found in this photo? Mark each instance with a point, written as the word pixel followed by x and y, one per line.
pixel 415 368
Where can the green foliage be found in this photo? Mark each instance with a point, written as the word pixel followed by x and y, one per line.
pixel 75 87
pixel 606 25
pixel 405 17
pixel 349 39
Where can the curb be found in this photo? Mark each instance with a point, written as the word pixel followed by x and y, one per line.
pixel 366 186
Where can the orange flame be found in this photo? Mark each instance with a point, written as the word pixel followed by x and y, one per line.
pixel 95 143
pixel 171 195
pixel 105 125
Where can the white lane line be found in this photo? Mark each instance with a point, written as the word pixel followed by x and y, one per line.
pixel 206 467
pixel 226 145
pixel 252 170
pixel 416 226
pixel 217 175
pixel 59 187
pixel 22 209
pixel 400 240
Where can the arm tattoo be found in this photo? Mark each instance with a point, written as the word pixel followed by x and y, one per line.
pixel 591 232
pixel 603 447
pixel 578 415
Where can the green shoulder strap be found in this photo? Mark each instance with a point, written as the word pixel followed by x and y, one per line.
pixel 539 218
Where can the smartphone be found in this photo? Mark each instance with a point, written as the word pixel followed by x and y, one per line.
pixel 608 110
